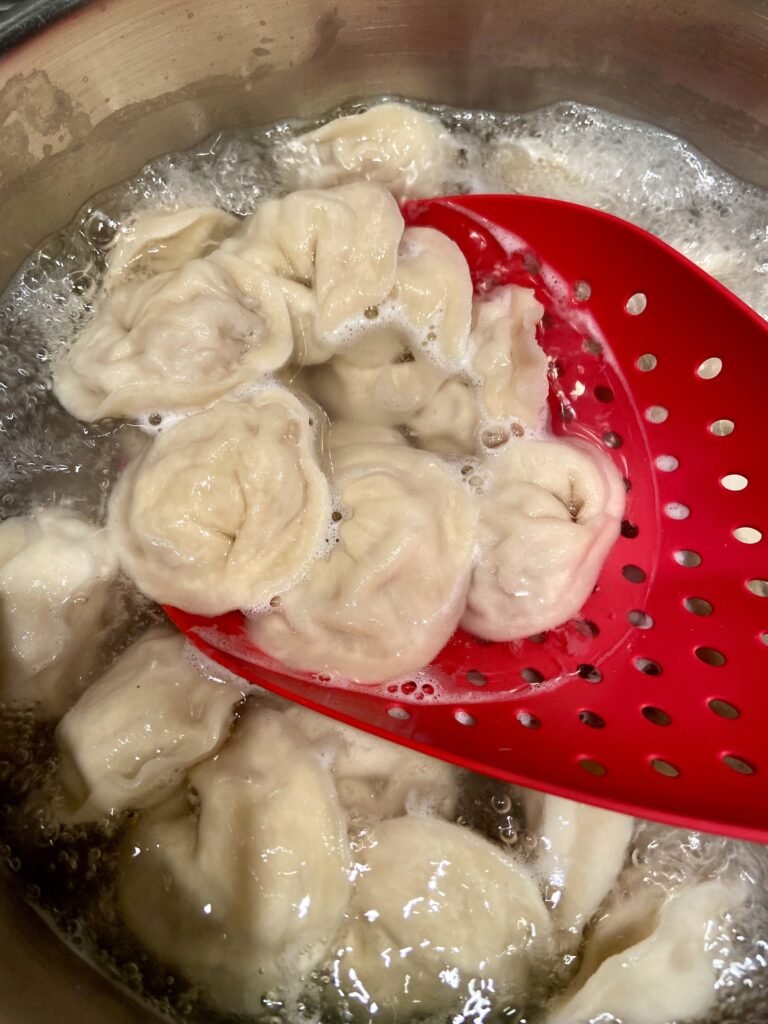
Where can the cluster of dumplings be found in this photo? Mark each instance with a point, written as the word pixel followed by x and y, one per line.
pixel 349 446
pixel 343 441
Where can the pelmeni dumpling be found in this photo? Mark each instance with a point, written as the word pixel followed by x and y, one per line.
pixel 173 343
pixel 438 914
pixel 547 522
pixel 391 143
pixel 448 422
pixel 245 890
pixel 509 364
pixel 335 250
pixel 378 381
pixel 226 508
pixel 655 964
pixel 156 241
pixel 374 777
pixel 580 852
pixel 389 595
pixel 56 572
pixel 130 737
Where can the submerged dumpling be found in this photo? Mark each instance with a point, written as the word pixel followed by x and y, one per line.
pixel 374 777
pixel 651 960
pixel 438 914
pixel 156 241
pixel 175 342
pixel 245 889
pixel 580 852
pixel 132 734
pixel 509 364
pixel 226 508
pixel 56 572
pixel 391 143
pixel 378 380
pixel 547 522
pixel 448 422
pixel 389 595
pixel 335 252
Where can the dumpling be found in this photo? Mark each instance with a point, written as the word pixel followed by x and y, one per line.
pixel 56 573
pixel 130 737
pixel 156 241
pixel 400 147
pixel 580 852
pixel 336 252
pixel 376 381
pixel 374 777
pixel 245 890
pixel 173 343
pixel 226 508
pixel 438 914
pixel 448 422
pixel 389 595
pixel 655 965
pixel 547 522
pixel 507 360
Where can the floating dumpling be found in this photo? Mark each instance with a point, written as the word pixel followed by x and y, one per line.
pixel 56 571
pixel 389 595
pixel 226 508
pixel 374 777
pixel 448 422
pixel 509 364
pixel 335 252
pixel 652 960
pixel 547 522
pixel 379 381
pixel 395 145
pixel 438 914
pixel 580 852
pixel 131 736
pixel 244 891
pixel 173 343
pixel 156 241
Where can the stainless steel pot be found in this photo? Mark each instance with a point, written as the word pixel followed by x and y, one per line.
pixel 90 91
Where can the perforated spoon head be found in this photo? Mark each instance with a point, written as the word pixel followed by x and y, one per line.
pixel 653 700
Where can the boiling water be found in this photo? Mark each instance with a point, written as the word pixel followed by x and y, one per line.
pixel 566 151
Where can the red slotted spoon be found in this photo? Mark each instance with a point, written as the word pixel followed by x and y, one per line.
pixel 652 700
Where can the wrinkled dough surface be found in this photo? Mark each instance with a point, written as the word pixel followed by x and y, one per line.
pixel 389 595
pixel 334 251
pixel 435 911
pixel 580 852
pixel 656 966
pixel 56 572
pixel 226 508
pixel 509 364
pixel 345 432
pixel 130 737
pixel 173 343
pixel 376 381
pixel 401 148
pixel 374 777
pixel 234 894
pixel 156 241
pixel 547 521
pixel 448 422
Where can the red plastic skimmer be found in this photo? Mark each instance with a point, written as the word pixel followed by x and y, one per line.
pixel 652 701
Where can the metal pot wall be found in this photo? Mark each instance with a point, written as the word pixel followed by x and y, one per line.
pixel 90 91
